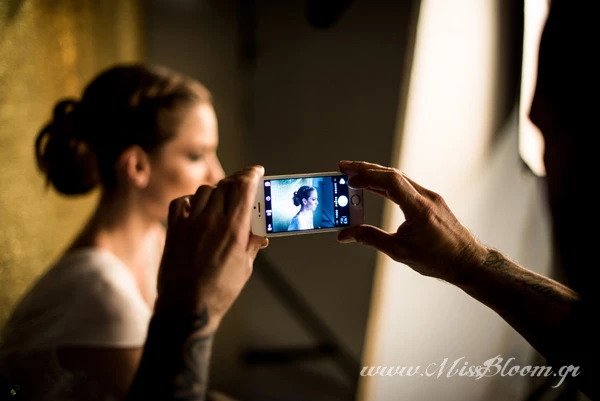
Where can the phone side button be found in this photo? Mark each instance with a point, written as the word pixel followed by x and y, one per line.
pixel 355 200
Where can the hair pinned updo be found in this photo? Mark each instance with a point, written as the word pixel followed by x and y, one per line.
pixel 302 193
pixel 123 106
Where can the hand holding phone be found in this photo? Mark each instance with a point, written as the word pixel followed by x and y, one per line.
pixel 431 239
pixel 202 269
pixel 306 204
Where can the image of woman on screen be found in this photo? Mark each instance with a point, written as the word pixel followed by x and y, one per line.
pixel 306 197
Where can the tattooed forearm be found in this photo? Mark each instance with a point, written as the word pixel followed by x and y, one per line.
pixel 542 310
pixel 192 381
pixel 534 305
pixel 544 286
pixel 176 359
pixel 494 259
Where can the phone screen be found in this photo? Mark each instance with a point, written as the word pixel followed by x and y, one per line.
pixel 306 203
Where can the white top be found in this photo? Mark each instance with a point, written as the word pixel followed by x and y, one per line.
pixel 88 298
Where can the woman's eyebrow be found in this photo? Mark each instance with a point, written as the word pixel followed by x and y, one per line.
pixel 200 147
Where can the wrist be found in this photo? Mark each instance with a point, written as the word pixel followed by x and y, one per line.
pixel 470 264
pixel 180 311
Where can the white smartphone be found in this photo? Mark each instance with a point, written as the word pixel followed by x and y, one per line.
pixel 306 203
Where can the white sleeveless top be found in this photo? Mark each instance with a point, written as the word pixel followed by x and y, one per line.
pixel 88 298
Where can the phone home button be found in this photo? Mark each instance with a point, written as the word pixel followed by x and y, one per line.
pixel 355 200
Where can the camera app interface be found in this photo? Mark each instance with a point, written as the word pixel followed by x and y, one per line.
pixel 306 203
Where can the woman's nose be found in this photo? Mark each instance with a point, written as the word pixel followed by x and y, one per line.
pixel 216 171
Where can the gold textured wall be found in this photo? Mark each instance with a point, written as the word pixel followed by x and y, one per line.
pixel 48 49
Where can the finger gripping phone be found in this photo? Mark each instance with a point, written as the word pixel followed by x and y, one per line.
pixel 306 204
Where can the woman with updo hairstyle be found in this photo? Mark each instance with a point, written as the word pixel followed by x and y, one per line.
pixel 143 136
pixel 306 197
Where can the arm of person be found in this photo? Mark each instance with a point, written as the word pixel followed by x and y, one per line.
pixel 557 321
pixel 176 359
pixel 433 242
pixel 534 305
pixel 208 258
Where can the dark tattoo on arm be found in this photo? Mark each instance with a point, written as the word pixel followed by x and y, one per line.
pixel 192 381
pixel 542 310
pixel 539 284
pixel 176 359
pixel 494 259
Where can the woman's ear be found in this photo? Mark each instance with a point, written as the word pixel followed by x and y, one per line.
pixel 304 201
pixel 134 163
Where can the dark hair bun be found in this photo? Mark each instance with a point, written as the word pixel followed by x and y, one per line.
pixel 302 193
pixel 65 158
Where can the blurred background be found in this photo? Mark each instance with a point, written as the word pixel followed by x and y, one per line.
pixel 440 89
